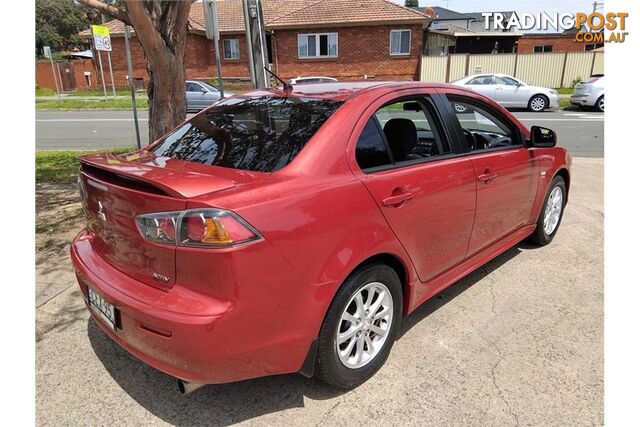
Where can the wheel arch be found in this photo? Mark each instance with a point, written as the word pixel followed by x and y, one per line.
pixel 538 94
pixel 564 173
pixel 393 261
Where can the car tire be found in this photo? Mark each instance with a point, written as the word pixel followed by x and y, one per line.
pixel 546 228
pixel 344 370
pixel 538 103
pixel 600 104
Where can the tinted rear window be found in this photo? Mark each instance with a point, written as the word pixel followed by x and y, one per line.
pixel 258 134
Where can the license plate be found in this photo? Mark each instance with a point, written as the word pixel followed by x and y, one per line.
pixel 102 308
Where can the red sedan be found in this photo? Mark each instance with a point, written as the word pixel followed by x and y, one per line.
pixel 285 231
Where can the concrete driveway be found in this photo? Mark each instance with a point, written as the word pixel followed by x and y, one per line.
pixel 518 342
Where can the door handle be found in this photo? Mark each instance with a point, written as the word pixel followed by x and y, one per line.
pixel 487 176
pixel 397 200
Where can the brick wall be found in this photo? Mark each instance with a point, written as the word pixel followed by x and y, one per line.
pixel 200 60
pixel 361 51
pixel 44 74
pixel 560 44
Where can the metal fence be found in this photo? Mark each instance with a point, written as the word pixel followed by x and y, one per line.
pixel 540 69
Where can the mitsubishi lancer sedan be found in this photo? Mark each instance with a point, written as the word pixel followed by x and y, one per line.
pixel 292 230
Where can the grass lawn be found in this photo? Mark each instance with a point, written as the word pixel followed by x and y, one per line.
pixel 45 91
pixel 565 90
pixel 99 92
pixel 61 167
pixel 73 104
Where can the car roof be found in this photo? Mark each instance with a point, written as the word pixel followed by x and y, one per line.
pixel 340 91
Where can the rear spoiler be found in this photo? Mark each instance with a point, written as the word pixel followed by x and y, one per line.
pixel 157 173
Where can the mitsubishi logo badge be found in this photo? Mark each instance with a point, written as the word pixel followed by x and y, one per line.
pixel 101 214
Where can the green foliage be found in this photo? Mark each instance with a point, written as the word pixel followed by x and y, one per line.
pixel 411 3
pixel 61 167
pixel 58 23
pixel 575 81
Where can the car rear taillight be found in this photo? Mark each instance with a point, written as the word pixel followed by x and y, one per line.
pixel 196 227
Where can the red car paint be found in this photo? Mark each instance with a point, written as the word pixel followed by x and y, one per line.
pixel 241 312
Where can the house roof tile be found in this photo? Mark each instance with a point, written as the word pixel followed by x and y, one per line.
pixel 296 14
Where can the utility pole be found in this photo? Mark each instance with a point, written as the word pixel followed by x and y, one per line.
pixel 212 32
pixel 256 42
pixel 597 5
pixel 127 47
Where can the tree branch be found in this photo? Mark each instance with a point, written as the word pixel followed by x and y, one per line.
pixel 146 32
pixel 107 9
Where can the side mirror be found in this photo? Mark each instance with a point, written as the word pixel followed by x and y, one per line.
pixel 542 137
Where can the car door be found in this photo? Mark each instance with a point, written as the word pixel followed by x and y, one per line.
pixel 506 171
pixel 424 190
pixel 193 96
pixel 196 96
pixel 510 93
pixel 483 84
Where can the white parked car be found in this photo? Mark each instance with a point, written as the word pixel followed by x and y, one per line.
pixel 312 79
pixel 589 93
pixel 511 92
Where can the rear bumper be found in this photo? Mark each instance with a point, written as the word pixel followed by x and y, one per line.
pixel 184 333
pixel 584 100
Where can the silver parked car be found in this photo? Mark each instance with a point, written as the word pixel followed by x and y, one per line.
pixel 589 93
pixel 200 95
pixel 511 92
pixel 312 79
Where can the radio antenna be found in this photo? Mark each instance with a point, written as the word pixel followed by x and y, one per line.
pixel 286 86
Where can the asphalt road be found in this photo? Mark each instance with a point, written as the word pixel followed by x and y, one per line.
pixel 517 342
pixel 582 133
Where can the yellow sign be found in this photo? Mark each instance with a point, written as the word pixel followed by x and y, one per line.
pixel 101 37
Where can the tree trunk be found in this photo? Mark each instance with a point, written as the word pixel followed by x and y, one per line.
pixel 161 29
pixel 167 97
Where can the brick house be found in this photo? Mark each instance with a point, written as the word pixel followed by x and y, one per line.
pixel 345 39
pixel 553 42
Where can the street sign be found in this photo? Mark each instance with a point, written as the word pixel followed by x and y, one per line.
pixel 211 20
pixel 101 37
pixel 47 51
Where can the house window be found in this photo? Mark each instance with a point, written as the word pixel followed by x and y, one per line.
pixel 543 48
pixel 592 46
pixel 318 45
pixel 400 42
pixel 231 48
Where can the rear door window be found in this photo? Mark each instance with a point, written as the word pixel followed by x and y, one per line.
pixel 258 134
pixel 401 132
pixel 372 151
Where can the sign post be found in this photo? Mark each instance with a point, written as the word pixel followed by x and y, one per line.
pixel 211 27
pixel 47 54
pixel 127 36
pixel 102 42
pixel 256 42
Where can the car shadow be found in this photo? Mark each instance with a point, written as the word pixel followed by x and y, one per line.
pixel 448 294
pixel 217 404
pixel 224 404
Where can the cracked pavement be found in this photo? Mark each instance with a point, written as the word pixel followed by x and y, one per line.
pixel 518 342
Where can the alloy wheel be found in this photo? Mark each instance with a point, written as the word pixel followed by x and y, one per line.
pixel 601 104
pixel 538 103
pixel 364 325
pixel 552 211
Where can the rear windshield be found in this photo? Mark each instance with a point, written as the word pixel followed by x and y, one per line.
pixel 258 134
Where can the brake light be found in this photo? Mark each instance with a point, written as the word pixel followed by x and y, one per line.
pixel 196 227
